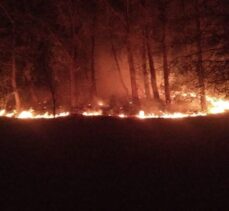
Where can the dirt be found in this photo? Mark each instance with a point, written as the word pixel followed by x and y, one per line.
pixel 80 163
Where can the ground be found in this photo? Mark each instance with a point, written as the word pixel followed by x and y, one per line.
pixel 114 164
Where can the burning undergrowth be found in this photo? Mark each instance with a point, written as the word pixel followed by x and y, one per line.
pixel 184 105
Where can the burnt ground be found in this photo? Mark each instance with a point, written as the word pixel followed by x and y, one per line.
pixel 111 164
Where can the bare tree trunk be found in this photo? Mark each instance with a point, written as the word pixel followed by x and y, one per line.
pixel 32 93
pixel 144 68
pixel 199 68
pixel 52 87
pixel 53 95
pixel 132 70
pixel 93 74
pixel 50 76
pixel 73 83
pixel 52 90
pixel 14 70
pixel 73 66
pixel 166 70
pixel 119 68
pixel 152 69
pixel 14 76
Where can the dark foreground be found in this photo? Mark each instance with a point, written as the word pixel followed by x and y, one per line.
pixel 113 164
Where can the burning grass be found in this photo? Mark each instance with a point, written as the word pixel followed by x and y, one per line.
pixel 215 106
pixel 31 114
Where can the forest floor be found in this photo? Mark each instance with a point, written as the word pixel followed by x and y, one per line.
pixel 80 163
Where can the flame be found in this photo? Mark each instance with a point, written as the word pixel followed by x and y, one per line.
pixel 122 116
pixel 215 106
pixel 176 115
pixel 26 115
pixel 30 114
pixel 93 113
pixel 3 113
pixel 141 115
pixel 101 103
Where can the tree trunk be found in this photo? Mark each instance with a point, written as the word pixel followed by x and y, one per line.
pixel 32 93
pixel 46 55
pixel 166 70
pixel 73 83
pixel 152 70
pixel 144 68
pixel 73 100
pixel 53 95
pixel 199 68
pixel 52 90
pixel 119 68
pixel 132 70
pixel 52 87
pixel 14 76
pixel 93 75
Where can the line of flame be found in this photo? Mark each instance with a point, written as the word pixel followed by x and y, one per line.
pixel 216 106
pixel 30 114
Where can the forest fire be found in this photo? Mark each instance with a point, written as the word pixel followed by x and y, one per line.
pixel 133 57
pixel 118 102
pixel 31 114
pixel 93 113
pixel 176 115
pixel 215 106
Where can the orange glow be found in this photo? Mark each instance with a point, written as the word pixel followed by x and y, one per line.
pixel 30 114
pixel 101 103
pixel 142 115
pixel 122 116
pixel 215 106
pixel 93 113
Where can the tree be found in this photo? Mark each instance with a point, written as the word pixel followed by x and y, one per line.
pixel 163 7
pixel 144 67
pixel 130 55
pixel 13 63
pixel 124 16
pixel 199 65
pixel 152 68
pixel 116 59
pixel 69 26
pixel 147 27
